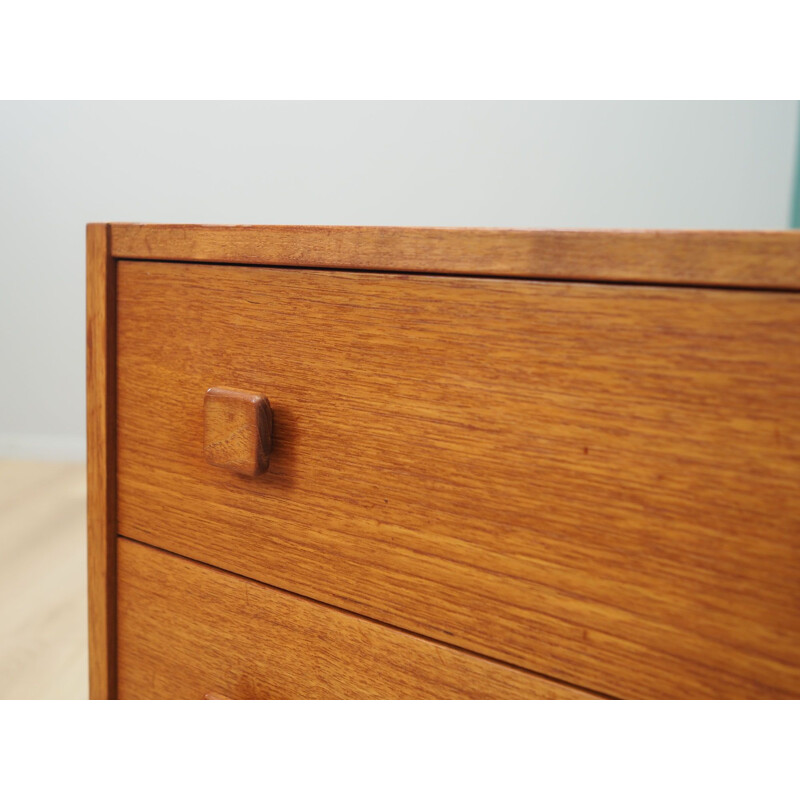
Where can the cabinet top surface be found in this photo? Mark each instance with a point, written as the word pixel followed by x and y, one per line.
pixel 730 259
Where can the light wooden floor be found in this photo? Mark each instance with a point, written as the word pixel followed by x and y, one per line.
pixel 43 611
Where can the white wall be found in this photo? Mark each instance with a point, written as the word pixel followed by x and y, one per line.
pixel 632 165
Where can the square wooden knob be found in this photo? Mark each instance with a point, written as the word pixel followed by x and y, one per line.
pixel 238 430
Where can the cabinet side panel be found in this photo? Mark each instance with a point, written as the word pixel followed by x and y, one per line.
pixel 101 460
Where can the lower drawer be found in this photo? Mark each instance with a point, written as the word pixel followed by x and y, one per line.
pixel 186 630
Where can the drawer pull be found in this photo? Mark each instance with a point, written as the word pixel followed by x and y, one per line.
pixel 238 430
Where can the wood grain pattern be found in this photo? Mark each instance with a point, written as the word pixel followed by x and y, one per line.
pixel 237 639
pixel 597 483
pixel 238 430
pixel 703 258
pixel 101 459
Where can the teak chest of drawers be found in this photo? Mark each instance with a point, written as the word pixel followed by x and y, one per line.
pixel 443 463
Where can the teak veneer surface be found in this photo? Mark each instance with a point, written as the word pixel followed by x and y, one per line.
pixel 187 631
pixel 714 258
pixel 594 482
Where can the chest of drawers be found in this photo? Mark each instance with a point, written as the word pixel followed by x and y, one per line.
pixel 385 462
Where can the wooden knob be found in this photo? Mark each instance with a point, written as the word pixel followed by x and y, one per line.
pixel 238 430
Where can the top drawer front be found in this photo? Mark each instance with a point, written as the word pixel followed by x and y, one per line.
pixel 595 482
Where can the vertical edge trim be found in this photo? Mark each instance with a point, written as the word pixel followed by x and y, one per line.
pixel 794 222
pixel 101 459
